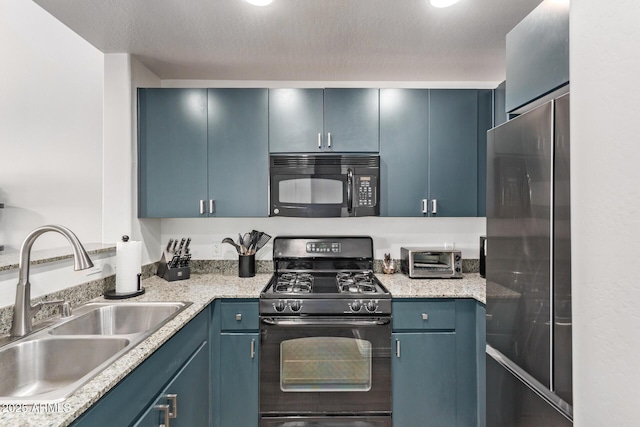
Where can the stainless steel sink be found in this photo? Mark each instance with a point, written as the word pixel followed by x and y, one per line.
pixel 118 319
pixel 43 366
pixel 52 363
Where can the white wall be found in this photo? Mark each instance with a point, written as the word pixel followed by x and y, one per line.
pixel 389 234
pixel 605 177
pixel 51 140
pixel 50 128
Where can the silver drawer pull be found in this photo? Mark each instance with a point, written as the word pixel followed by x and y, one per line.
pixel 425 316
pixel 167 416
pixel 239 317
pixel 398 349
pixel 173 398
pixel 253 348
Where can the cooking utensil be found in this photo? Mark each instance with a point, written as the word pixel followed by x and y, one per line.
pixel 175 244
pixel 230 241
pixel 243 247
pixel 262 240
pixel 169 245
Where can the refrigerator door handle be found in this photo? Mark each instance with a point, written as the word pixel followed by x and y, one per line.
pixel 536 386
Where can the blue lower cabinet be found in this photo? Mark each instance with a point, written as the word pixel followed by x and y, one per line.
pixel 184 401
pixel 239 379
pixel 235 354
pixel 424 379
pixel 180 366
pixel 438 363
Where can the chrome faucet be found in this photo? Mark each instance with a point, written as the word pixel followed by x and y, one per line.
pixel 23 311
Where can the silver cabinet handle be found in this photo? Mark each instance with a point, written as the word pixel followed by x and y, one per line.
pixel 425 209
pixel 434 206
pixel 173 398
pixel 201 207
pixel 212 206
pixel 398 349
pixel 425 316
pixel 319 140
pixel 165 409
pixel 253 348
pixel 239 317
pixel 329 140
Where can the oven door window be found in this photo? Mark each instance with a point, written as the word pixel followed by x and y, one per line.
pixel 324 364
pixel 311 190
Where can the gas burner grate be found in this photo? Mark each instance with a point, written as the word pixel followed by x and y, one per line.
pixel 300 283
pixel 358 283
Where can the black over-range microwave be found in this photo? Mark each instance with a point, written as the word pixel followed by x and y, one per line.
pixel 319 186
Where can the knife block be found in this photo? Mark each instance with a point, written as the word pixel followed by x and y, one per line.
pixel 171 274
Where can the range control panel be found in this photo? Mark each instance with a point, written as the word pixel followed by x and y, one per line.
pixel 324 247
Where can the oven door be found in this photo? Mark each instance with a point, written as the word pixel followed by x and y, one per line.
pixel 325 367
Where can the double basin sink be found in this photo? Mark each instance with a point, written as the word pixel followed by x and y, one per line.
pixel 52 363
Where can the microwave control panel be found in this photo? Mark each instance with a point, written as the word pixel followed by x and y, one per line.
pixel 366 190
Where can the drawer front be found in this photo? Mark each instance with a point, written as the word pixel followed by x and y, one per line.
pixel 424 315
pixel 239 315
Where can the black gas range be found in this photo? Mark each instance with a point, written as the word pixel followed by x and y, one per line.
pixel 324 276
pixel 325 336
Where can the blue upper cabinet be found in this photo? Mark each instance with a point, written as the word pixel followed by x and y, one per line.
pixel 172 152
pixel 238 152
pixel 296 120
pixel 538 54
pixel 323 120
pixel 203 153
pixel 404 151
pixel 453 143
pixel 431 144
pixel 351 120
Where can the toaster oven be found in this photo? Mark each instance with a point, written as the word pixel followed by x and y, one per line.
pixel 426 263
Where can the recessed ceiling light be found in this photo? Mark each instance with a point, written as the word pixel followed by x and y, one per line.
pixel 443 3
pixel 259 2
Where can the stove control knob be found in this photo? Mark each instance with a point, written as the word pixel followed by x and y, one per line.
pixel 279 306
pixel 356 306
pixel 371 306
pixel 296 305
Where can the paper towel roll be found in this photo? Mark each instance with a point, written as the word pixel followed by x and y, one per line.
pixel 128 266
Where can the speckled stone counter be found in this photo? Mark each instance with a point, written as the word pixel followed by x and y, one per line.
pixel 201 290
pixel 401 286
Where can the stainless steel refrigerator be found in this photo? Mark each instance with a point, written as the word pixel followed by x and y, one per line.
pixel 528 270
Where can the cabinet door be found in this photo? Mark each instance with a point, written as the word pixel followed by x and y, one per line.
pixel 404 151
pixel 485 122
pixel 172 152
pixel 453 158
pixel 295 120
pixel 238 152
pixel 424 379
pixel 239 379
pixel 189 405
pixel 351 120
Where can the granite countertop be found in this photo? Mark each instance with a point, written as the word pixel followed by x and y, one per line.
pixel 201 290
pixel 11 259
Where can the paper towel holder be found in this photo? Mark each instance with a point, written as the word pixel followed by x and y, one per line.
pixel 123 295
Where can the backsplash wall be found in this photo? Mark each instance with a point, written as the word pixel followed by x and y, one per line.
pixel 389 234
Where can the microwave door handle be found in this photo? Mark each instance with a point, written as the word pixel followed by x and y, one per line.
pixel 349 190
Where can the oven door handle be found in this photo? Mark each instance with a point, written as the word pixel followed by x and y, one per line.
pixel 324 322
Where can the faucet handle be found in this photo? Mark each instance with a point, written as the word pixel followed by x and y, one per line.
pixel 65 306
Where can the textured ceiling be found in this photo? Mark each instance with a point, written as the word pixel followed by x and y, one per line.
pixel 332 40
